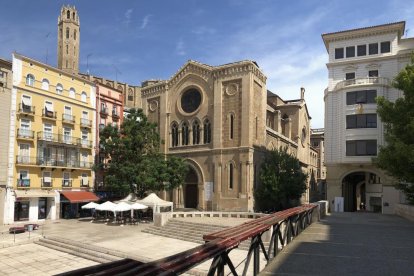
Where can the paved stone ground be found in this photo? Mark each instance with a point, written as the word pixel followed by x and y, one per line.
pixel 129 239
pixel 350 244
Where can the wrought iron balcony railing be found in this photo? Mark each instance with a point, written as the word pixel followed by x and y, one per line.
pixel 49 114
pixel 85 122
pixel 68 118
pixel 362 81
pixel 104 111
pixel 23 183
pixel 49 162
pixel 47 136
pixel 26 160
pixel 46 183
pixel 26 109
pixel 67 183
pixel 115 114
pixel 85 143
pixel 25 133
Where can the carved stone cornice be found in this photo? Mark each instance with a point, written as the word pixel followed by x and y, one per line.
pixel 191 67
pixel 237 68
pixel 154 90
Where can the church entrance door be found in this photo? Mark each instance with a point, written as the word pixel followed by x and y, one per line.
pixel 191 190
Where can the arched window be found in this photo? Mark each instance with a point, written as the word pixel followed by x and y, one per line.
pixel 184 134
pixel 68 14
pixel 45 84
pixel 59 89
pixel 67 49
pixel 130 95
pixel 285 118
pixel 67 33
pixel 174 135
pixel 72 92
pixel 30 80
pixel 74 34
pixel 196 133
pixel 231 126
pixel 73 15
pixel 83 96
pixel 231 175
pixel 207 132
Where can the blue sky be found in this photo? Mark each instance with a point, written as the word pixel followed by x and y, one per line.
pixel 153 39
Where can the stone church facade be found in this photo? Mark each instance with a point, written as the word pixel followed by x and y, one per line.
pixel 220 119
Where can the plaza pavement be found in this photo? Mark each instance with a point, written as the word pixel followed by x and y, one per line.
pixel 350 244
pixel 128 239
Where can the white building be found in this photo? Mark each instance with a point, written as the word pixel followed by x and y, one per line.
pixel 362 64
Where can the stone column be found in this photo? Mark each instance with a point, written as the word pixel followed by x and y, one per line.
pixel 289 128
pixel 179 137
pixel 278 121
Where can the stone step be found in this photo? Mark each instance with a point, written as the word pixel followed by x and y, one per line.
pixel 87 246
pixel 72 252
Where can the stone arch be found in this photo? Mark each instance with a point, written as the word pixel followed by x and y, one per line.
pixel 193 186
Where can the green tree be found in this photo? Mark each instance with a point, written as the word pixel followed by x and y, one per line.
pixel 397 156
pixel 136 164
pixel 282 181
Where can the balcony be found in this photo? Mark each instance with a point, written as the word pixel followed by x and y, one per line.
pixel 47 114
pixel 27 110
pixel 67 139
pixel 84 183
pixel 67 183
pixel 87 144
pixel 104 112
pixel 46 183
pixel 26 134
pixel 85 123
pixel 68 119
pixel 47 136
pixel 73 164
pixel 101 126
pixel 362 81
pixel 23 183
pixel 115 115
pixel 85 165
pixel 25 160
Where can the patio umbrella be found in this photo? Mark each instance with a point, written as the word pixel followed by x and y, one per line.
pixel 137 206
pixel 90 205
pixel 107 206
pixel 122 206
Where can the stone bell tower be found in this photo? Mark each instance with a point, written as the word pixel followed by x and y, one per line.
pixel 68 39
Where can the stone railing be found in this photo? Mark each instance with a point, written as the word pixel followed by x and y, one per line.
pixel 362 81
pixel 405 211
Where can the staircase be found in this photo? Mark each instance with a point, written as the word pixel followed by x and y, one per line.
pixel 189 231
pixel 83 250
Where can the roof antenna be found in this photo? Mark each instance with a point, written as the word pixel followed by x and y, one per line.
pixel 406 33
pixel 116 72
pixel 47 49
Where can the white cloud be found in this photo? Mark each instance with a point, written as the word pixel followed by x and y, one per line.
pixel 128 16
pixel 145 21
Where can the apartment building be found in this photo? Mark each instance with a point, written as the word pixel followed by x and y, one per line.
pixel 109 111
pixel 51 142
pixel 362 64
pixel 5 106
pixel 317 140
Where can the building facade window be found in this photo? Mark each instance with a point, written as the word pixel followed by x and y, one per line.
pixel 361 121
pixel 350 51
pixel 184 134
pixel 30 80
pixel 231 126
pixel 130 95
pixel 339 53
pixel 67 33
pixel 385 47
pixel 373 48
pixel 350 76
pixel 207 131
pixel 174 135
pixel 373 73
pixel 231 175
pixel 196 133
pixel 45 84
pixel 68 14
pixel 361 97
pixel 361 50
pixel 361 148
pixel 72 92
pixel 83 96
pixel 74 34
pixel 59 89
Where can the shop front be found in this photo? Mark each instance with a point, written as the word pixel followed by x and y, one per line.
pixel 34 205
pixel 72 201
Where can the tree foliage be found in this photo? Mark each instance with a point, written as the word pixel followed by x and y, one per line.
pixel 136 164
pixel 282 181
pixel 397 156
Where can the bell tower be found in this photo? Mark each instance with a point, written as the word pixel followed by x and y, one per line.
pixel 68 39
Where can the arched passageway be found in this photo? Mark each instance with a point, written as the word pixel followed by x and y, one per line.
pixel 191 189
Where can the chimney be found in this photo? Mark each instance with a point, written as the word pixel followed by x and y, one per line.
pixel 302 93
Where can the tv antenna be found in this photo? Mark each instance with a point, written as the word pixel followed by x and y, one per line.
pixel 47 49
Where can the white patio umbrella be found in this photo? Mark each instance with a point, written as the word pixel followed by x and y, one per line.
pixel 122 206
pixel 107 206
pixel 90 205
pixel 137 206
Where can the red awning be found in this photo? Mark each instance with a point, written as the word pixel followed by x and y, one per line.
pixel 80 196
